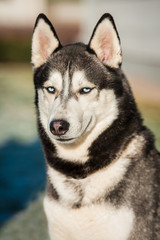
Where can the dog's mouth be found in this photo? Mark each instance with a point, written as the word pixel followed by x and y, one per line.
pixel 65 140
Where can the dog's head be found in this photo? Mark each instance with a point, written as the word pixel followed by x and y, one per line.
pixel 77 86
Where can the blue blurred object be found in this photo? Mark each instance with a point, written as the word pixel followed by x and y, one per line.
pixel 22 176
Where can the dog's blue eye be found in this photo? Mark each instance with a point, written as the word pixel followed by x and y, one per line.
pixel 85 90
pixel 50 89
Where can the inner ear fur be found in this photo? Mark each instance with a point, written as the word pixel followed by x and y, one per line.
pixel 44 41
pixel 105 42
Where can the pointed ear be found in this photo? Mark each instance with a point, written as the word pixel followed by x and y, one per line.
pixel 44 41
pixel 105 42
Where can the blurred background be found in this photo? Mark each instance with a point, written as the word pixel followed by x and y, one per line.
pixel 22 166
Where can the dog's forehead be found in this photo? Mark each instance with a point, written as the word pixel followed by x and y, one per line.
pixel 76 58
pixel 72 56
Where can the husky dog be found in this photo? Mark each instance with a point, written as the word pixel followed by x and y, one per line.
pixel 103 171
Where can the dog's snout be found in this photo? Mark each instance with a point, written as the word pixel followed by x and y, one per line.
pixel 59 127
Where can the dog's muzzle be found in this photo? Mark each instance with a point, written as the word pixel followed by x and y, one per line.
pixel 59 127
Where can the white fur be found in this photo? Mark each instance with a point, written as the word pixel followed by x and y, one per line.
pixel 43 43
pixel 43 109
pixel 55 80
pixel 79 81
pixel 106 44
pixel 94 222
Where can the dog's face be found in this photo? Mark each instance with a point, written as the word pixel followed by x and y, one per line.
pixel 75 83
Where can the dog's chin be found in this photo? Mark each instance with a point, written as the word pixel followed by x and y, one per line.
pixel 70 141
pixel 65 140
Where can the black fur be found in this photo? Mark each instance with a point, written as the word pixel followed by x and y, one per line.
pixel 51 190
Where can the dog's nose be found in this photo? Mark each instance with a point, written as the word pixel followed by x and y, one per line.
pixel 59 127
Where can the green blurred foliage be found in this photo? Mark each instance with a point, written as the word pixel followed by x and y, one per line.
pixel 17 111
pixel 151 116
pixel 15 50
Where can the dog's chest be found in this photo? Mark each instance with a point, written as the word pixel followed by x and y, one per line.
pixel 92 189
pixel 93 222
pixel 81 211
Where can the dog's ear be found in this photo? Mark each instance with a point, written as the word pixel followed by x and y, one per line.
pixel 105 42
pixel 44 41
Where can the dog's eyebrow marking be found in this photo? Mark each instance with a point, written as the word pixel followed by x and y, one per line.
pixel 79 80
pixel 55 80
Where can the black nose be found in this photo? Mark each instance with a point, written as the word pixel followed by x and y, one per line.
pixel 59 127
